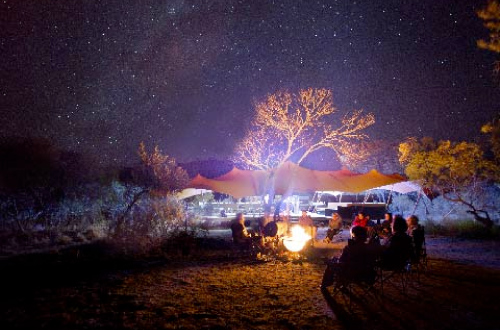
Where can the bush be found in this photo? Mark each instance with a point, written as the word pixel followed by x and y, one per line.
pixel 462 228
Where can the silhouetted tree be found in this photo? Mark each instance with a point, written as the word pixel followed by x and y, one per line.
pixel 35 175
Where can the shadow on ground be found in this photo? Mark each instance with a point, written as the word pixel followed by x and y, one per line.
pixel 212 287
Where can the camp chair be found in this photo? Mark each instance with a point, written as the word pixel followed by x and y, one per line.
pixel 349 279
pixel 397 274
pixel 420 263
pixel 249 246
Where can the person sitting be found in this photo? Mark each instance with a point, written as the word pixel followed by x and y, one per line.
pixel 385 230
pixel 416 232
pixel 264 221
pixel 399 249
pixel 307 223
pixel 240 235
pixel 361 220
pixel 334 227
pixel 357 262
pixel 238 230
pixel 283 225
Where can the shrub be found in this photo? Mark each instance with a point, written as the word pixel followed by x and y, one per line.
pixel 462 228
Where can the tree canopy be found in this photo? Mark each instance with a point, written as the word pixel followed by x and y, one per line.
pixel 491 19
pixel 458 170
pixel 492 129
pixel 161 172
pixel 292 126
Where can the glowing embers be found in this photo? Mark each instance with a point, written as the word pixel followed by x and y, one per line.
pixel 297 240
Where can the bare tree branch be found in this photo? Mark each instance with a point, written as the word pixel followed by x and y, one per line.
pixel 293 126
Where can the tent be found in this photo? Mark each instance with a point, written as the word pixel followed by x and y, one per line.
pixel 402 187
pixel 190 192
pixel 289 178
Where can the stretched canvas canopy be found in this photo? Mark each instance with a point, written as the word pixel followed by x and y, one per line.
pixel 289 178
pixel 402 187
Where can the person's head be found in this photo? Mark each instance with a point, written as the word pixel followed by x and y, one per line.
pixel 361 214
pixel 359 234
pixel 335 215
pixel 240 217
pixel 412 220
pixel 388 216
pixel 399 225
pixel 304 212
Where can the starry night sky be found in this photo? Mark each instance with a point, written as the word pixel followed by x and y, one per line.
pixel 99 77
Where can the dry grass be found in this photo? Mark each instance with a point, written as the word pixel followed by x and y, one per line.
pixel 214 290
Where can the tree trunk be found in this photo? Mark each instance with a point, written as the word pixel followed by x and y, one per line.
pixel 485 220
pixel 121 220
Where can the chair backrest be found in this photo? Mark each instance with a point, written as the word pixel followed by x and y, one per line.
pixel 399 252
pixel 418 237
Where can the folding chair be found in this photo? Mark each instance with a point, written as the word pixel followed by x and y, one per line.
pixel 349 279
pixel 419 263
pixel 397 274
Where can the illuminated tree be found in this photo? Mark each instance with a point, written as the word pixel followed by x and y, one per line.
pixel 493 130
pixel 491 20
pixel 458 170
pixel 290 126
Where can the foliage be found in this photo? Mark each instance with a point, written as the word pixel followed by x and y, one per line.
pixel 462 228
pixel 490 15
pixel 289 126
pixel 458 170
pixel 492 129
pixel 158 175
pixel 491 19
pixel 161 171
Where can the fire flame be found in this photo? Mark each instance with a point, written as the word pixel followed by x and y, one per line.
pixel 296 242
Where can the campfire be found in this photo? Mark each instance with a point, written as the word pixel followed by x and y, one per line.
pixel 297 240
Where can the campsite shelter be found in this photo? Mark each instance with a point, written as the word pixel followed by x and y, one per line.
pixel 291 178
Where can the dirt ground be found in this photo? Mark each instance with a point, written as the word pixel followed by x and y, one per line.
pixel 216 288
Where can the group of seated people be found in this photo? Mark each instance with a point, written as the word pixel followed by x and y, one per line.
pixel 403 243
pixel 264 236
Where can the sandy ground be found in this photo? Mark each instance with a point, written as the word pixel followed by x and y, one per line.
pixel 221 289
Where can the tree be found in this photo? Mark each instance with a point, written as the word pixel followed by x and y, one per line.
pixel 491 20
pixel 458 170
pixel 158 174
pixel 162 173
pixel 493 130
pixel 289 126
